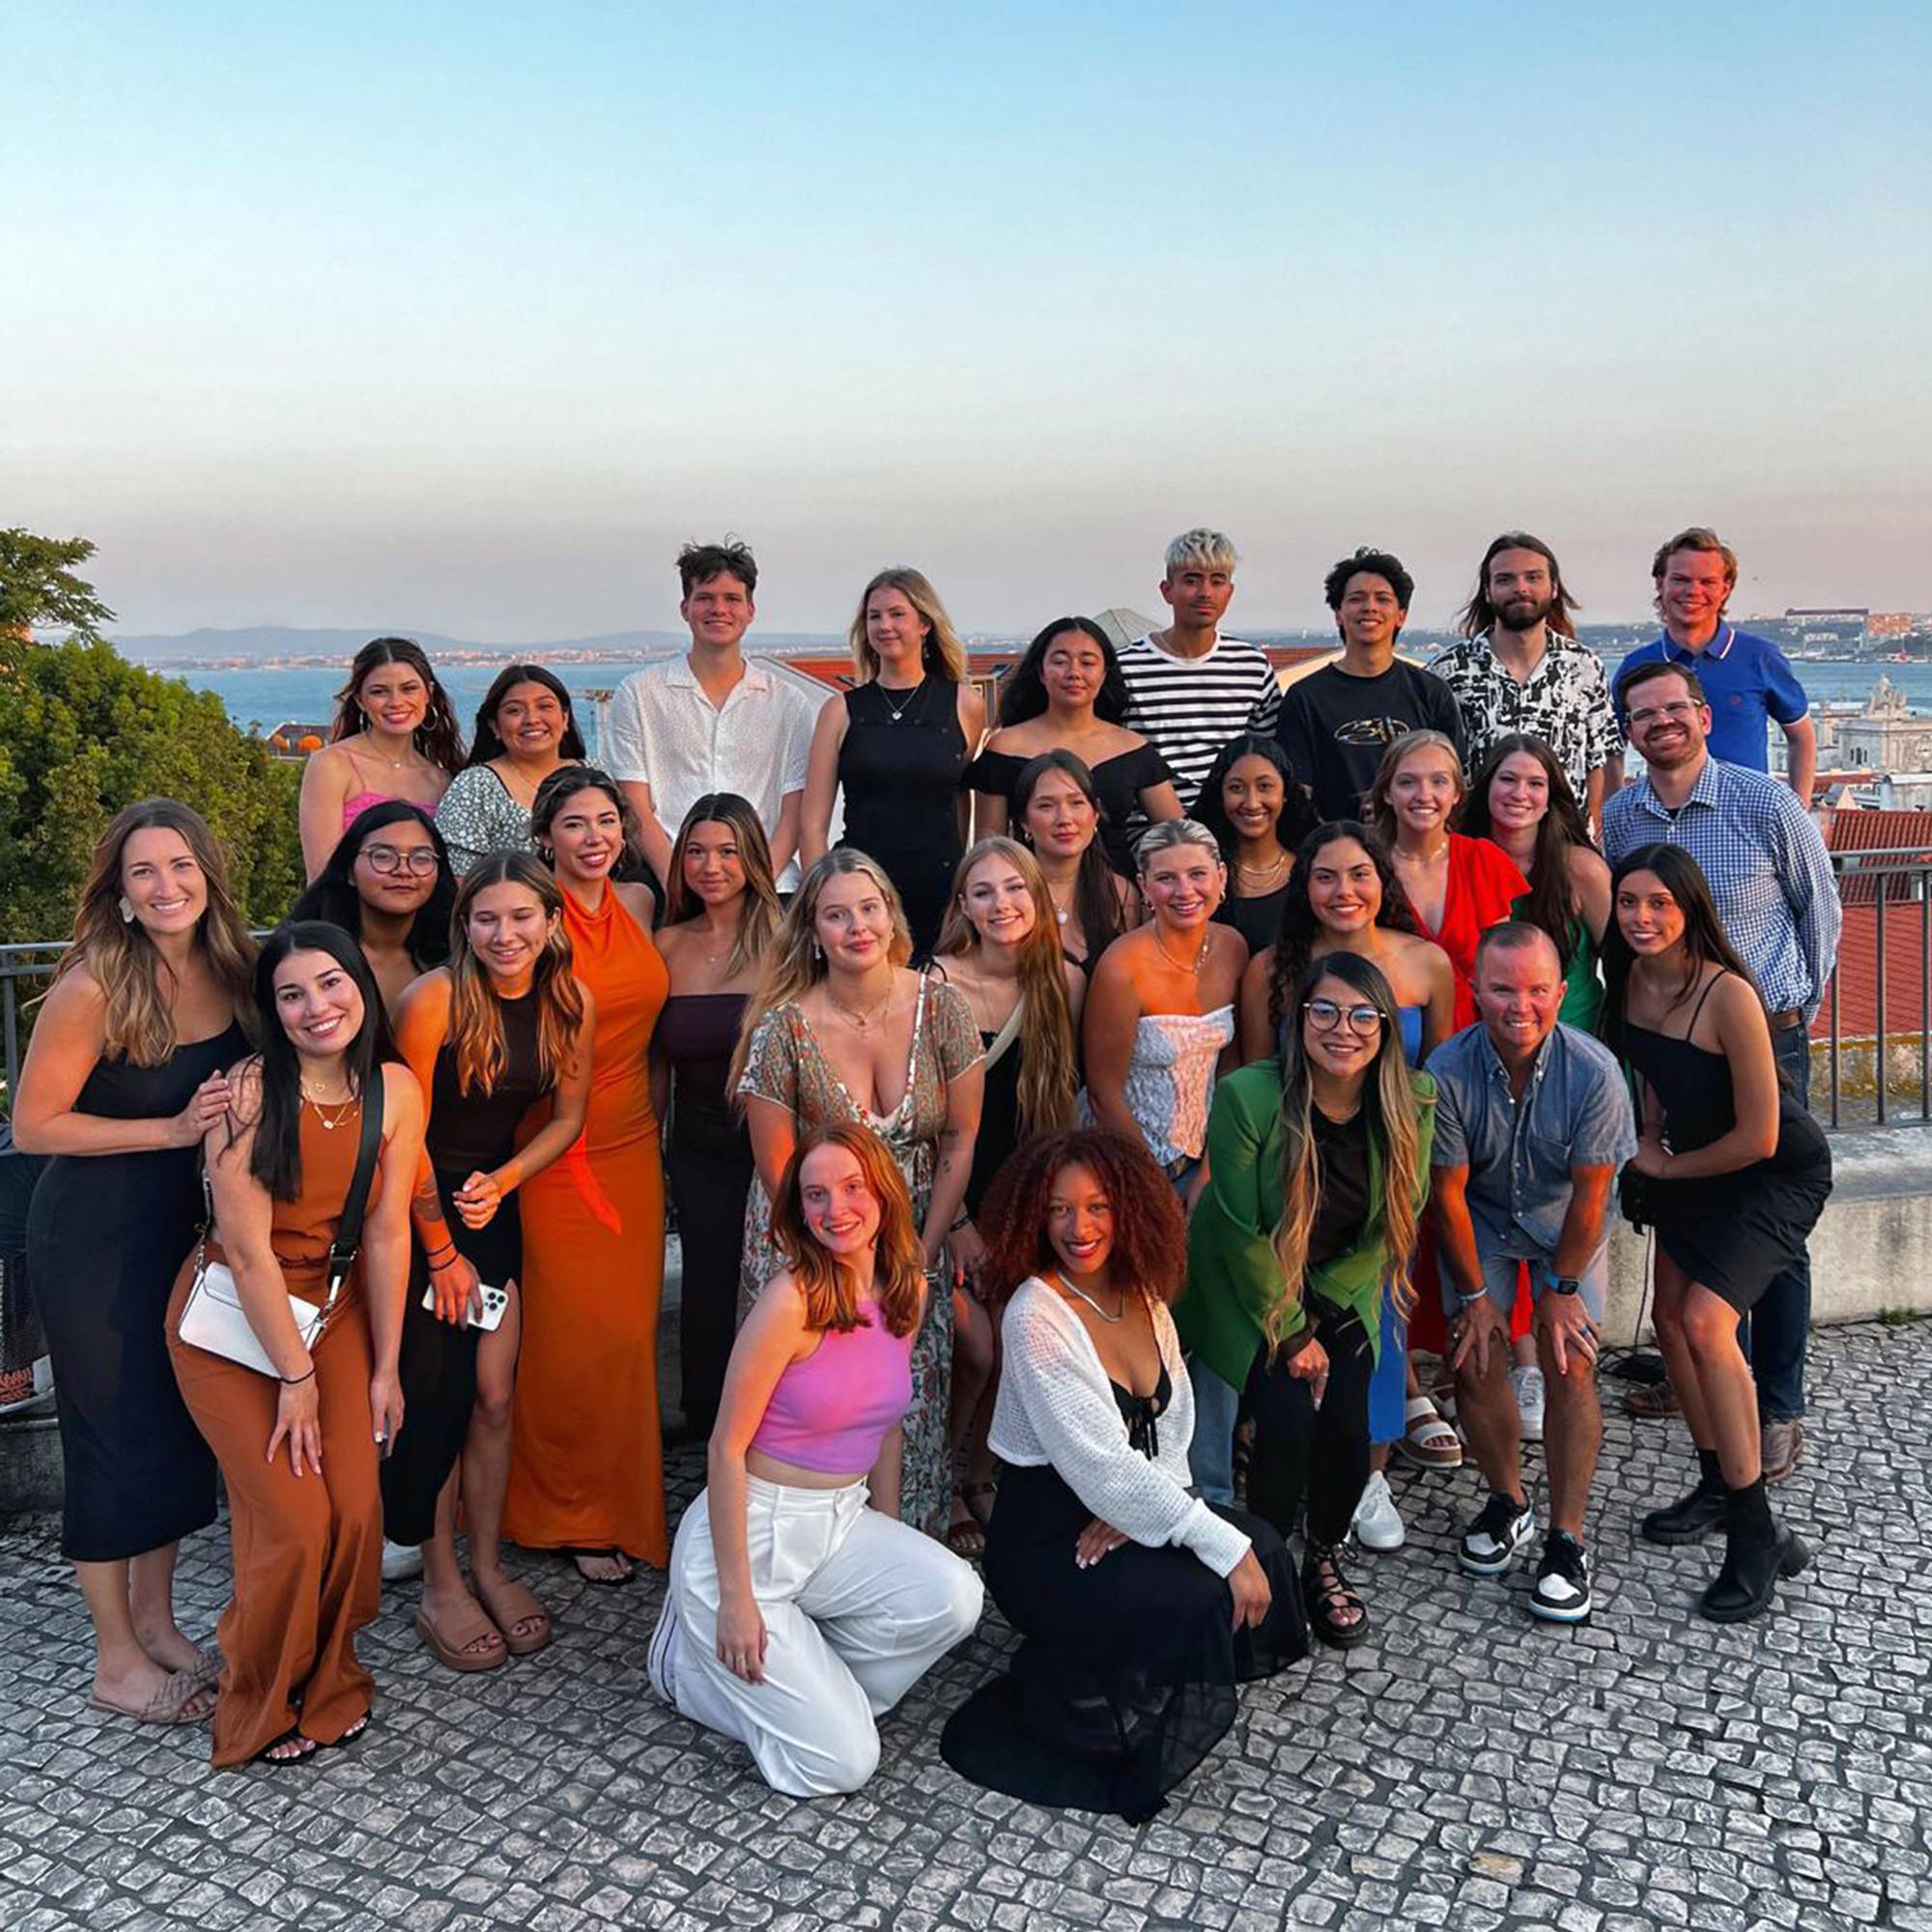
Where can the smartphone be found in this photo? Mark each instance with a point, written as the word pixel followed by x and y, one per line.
pixel 485 1313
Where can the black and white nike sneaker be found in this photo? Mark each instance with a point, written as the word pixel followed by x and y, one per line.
pixel 1562 1593
pixel 1489 1544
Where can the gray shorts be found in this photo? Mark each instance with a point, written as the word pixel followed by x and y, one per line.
pixel 1499 1276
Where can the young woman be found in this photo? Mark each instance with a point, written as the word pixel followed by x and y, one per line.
pixel 895 745
pixel 525 730
pixel 394 736
pixel 722 917
pixel 841 1031
pixel 506 1024
pixel 1068 694
pixel 127 1070
pixel 1522 802
pixel 1140 1606
pixel 587 1469
pixel 1160 1012
pixel 1319 1167
pixel 1250 803
pixel 1731 1173
pixel 1000 950
pixel 797 1615
pixel 1057 816
pixel 306 1515
pixel 1456 885
pixel 388 883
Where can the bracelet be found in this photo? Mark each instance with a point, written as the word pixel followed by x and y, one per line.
pixel 960 1220
pixel 296 1382
pixel 441 1255
pixel 1470 1300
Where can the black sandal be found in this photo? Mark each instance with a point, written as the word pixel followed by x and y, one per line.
pixel 1328 1595
pixel 277 1754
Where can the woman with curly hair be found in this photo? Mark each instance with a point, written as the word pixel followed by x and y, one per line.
pixel 797 1615
pixel 394 736
pixel 1319 1161
pixel 1141 1606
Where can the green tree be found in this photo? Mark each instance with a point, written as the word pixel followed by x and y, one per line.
pixel 38 586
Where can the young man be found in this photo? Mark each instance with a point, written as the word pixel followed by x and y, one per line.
pixel 711 720
pixel 1189 689
pixel 1771 883
pixel 1532 1124
pixel 1337 722
pixel 1746 679
pixel 1520 668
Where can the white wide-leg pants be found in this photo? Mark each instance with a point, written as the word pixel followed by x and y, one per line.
pixel 857 1605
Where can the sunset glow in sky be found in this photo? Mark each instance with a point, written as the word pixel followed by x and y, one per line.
pixel 462 317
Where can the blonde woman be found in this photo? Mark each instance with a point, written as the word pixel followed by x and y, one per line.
pixel 1000 950
pixel 895 745
pixel 840 1030
pixel 127 1070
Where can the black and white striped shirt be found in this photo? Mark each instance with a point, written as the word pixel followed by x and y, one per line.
pixel 1190 707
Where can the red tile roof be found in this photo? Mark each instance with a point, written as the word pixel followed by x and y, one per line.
pixel 1856 981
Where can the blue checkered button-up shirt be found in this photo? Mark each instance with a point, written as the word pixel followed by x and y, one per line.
pixel 1768 870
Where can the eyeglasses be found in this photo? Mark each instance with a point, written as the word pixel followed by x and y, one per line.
pixel 387 859
pixel 1327 1017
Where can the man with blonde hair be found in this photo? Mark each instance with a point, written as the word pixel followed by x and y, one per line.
pixel 1747 680
pixel 1190 688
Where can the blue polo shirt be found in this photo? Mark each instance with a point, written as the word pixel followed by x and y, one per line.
pixel 1748 681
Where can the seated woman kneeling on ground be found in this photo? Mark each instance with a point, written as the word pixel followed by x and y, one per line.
pixel 1141 1606
pixel 795 1614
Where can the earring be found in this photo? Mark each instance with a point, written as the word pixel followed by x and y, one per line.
pixel 126 910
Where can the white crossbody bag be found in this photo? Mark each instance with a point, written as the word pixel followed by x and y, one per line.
pixel 213 1319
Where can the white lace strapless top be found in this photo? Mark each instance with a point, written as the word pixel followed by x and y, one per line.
pixel 1171 1079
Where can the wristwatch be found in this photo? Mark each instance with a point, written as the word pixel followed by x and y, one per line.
pixel 1564 1284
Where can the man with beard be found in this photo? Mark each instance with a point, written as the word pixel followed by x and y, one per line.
pixel 1337 722
pixel 1520 668
pixel 1770 881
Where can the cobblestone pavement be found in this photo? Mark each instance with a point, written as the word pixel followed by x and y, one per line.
pixel 1466 1769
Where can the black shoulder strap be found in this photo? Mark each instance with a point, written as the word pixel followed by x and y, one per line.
pixel 1710 987
pixel 349 1230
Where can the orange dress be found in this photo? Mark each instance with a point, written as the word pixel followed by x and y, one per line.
pixel 587 1465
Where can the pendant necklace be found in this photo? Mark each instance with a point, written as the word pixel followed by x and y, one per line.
pixel 1200 958
pixel 897 711
pixel 343 1109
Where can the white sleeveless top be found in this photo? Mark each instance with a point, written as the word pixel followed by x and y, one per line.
pixel 1171 1079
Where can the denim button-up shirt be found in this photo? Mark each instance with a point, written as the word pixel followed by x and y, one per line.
pixel 1574 1112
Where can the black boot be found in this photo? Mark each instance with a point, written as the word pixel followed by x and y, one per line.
pixel 1758 1550
pixel 1693 1518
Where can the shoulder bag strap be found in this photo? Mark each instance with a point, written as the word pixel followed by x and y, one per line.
pixel 349 1230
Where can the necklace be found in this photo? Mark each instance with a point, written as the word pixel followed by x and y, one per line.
pixel 343 1109
pixel 1074 1288
pixel 898 711
pixel 1263 871
pixel 1061 912
pixel 861 1022
pixel 394 764
pixel 1200 958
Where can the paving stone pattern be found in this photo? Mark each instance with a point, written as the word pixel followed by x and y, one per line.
pixel 1465 1769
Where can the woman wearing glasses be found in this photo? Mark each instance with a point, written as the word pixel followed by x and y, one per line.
pixel 389 882
pixel 1318 1166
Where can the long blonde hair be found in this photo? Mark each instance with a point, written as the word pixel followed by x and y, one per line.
pixel 1393 1116
pixel 475 1014
pixel 139 1023
pixel 899 1273
pixel 1379 809
pixel 797 963
pixel 759 915
pixel 943 651
pixel 1049 1076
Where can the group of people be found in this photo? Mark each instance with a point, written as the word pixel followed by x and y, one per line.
pixel 1074 1154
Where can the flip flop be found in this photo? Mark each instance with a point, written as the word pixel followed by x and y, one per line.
pixel 172 1702
pixel 268 1753
pixel 580 1557
pixel 460 1658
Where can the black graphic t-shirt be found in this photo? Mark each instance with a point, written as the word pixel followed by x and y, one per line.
pixel 1335 729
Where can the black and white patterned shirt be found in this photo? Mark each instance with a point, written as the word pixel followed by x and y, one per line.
pixel 1190 707
pixel 1565 701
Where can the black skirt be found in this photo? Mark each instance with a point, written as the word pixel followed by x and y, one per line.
pixel 1126 1676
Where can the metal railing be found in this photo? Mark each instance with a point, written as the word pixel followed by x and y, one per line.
pixel 27 969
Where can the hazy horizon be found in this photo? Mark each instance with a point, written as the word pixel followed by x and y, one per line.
pixel 480 314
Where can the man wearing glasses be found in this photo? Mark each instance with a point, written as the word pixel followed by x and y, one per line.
pixel 1770 880
pixel 1532 1124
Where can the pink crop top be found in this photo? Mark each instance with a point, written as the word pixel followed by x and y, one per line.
pixel 831 1411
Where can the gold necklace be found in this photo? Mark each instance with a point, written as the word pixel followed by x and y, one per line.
pixel 394 764
pixel 1200 958
pixel 860 1022
pixel 1263 871
pixel 343 1109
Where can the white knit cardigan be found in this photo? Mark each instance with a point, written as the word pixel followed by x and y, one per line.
pixel 1056 1406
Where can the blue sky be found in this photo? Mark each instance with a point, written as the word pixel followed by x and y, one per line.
pixel 462 317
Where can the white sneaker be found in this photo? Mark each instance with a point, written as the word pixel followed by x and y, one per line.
pixel 1378 1521
pixel 1527 1386
pixel 400 1560
pixel 661 1659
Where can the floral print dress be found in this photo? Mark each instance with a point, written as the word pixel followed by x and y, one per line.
pixel 785 1065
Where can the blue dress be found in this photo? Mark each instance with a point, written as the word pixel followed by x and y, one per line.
pixel 1388 1388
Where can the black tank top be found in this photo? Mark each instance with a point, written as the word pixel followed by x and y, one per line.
pixel 472 1130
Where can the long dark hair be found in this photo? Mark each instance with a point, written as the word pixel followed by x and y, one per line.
pixel 760 917
pixel 275 1159
pixel 332 896
pixel 1097 898
pixel 486 742
pixel 1704 941
pixel 1212 810
pixel 1294 943
pixel 1551 904
pixel 561 788
pixel 1023 694
pixel 437 737
pixel 1479 615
